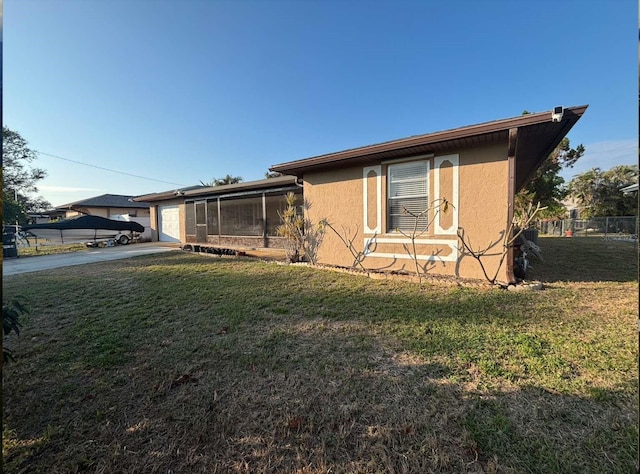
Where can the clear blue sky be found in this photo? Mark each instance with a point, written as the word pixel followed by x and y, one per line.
pixel 188 91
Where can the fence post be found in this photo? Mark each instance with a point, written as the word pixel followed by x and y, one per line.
pixel 606 227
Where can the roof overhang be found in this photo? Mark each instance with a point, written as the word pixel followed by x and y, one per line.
pixel 227 189
pixel 538 134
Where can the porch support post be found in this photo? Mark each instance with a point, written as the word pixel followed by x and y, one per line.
pixel 511 199
pixel 264 220
pixel 219 222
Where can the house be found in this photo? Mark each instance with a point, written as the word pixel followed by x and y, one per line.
pixel 478 169
pixel 234 215
pixel 105 205
pixel 573 207
pixel 46 216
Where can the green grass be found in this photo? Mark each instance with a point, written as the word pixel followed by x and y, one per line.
pixel 585 259
pixel 47 248
pixel 190 363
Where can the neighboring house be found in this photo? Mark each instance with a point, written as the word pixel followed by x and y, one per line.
pixel 630 189
pixel 243 214
pixel 106 205
pixel 46 216
pixel 111 206
pixel 574 209
pixel 478 169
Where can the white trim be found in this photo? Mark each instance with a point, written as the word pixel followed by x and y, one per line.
pixel 437 163
pixel 365 199
pixel 452 244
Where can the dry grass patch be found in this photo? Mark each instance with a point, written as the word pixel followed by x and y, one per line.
pixel 48 248
pixel 184 363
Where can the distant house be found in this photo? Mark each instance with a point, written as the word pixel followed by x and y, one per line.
pixel 478 169
pixel 234 215
pixel 46 216
pixel 573 207
pixel 106 205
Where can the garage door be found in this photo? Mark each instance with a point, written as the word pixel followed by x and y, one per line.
pixel 168 224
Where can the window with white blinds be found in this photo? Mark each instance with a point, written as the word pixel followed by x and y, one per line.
pixel 408 189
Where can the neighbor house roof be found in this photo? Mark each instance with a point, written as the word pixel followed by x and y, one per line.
pixel 106 200
pixel 629 189
pixel 537 136
pixel 270 184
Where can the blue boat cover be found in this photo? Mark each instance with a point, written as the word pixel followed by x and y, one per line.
pixel 88 222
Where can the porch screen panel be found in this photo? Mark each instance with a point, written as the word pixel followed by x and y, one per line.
pixel 277 203
pixel 241 216
pixel 212 217
pixel 408 189
pixel 190 218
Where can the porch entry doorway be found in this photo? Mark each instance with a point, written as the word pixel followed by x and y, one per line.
pixel 201 221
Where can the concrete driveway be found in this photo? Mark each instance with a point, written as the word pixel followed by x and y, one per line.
pixel 14 266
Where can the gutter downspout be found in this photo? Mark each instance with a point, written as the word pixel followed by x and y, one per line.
pixel 511 197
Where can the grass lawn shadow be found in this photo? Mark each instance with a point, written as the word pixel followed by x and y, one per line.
pixel 179 362
pixel 585 259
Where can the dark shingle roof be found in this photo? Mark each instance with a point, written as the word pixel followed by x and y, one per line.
pixel 106 200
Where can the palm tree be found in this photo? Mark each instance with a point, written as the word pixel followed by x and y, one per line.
pixel 228 179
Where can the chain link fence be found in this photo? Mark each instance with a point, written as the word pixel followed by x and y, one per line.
pixel 605 228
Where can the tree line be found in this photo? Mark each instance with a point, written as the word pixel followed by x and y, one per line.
pixel 597 192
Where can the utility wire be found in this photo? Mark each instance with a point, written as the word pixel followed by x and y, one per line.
pixel 106 169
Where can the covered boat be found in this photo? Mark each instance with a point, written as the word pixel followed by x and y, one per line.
pixel 85 228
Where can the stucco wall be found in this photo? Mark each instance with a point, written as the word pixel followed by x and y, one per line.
pixel 480 176
pixel 153 217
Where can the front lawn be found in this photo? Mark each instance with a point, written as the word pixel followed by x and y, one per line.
pixel 191 363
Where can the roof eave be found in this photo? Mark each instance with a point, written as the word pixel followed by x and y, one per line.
pixel 342 158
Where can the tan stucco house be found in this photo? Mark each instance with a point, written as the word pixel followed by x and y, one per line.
pixel 478 169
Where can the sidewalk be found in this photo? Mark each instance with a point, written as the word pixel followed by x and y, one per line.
pixel 14 266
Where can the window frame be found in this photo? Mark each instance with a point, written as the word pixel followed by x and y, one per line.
pixel 390 199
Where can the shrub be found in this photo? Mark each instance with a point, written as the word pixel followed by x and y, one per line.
pixel 11 312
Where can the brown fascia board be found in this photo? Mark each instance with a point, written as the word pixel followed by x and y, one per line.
pixel 568 121
pixel 155 196
pixel 342 158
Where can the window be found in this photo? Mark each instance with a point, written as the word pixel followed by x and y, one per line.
pixel 408 185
